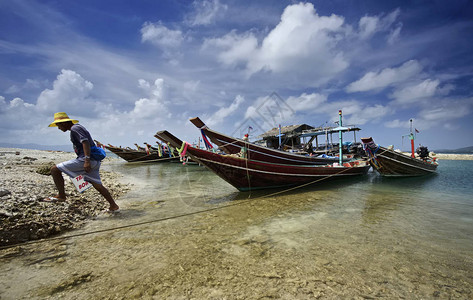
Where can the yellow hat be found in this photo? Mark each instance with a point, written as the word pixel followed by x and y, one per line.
pixel 61 117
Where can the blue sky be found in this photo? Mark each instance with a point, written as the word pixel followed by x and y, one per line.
pixel 127 69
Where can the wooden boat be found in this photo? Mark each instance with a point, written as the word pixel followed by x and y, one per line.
pixel 232 145
pixel 388 162
pixel 140 155
pixel 247 174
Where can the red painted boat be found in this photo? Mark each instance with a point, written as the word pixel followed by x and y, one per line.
pixel 247 174
pixel 232 145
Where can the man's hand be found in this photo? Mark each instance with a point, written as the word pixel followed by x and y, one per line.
pixel 87 167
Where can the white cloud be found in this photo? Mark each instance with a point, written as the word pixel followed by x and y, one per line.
pixel 303 43
pixel 235 48
pixel 370 25
pixel 161 36
pixel 394 35
pixel 152 106
pixel 437 112
pixel 224 112
pixel 447 110
pixel 18 102
pixel 307 102
pixel 273 110
pixel 413 93
pixel 206 12
pixel 386 77
pixel 397 124
pixel 17 115
pixel 70 93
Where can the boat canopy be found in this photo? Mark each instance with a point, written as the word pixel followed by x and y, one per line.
pixel 327 130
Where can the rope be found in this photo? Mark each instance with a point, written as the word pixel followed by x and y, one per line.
pixel 151 160
pixel 247 154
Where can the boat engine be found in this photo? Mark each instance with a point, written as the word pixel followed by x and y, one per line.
pixel 423 152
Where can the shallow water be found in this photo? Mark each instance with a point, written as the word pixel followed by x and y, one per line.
pixel 368 237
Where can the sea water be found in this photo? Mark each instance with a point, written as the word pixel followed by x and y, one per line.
pixel 185 233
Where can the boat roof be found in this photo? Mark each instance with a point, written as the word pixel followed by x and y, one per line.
pixel 328 130
pixel 286 130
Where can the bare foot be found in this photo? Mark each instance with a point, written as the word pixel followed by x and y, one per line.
pixel 54 199
pixel 113 208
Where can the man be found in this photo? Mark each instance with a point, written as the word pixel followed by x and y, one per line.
pixel 82 165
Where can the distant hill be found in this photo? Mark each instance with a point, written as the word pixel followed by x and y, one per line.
pixel 65 148
pixel 465 150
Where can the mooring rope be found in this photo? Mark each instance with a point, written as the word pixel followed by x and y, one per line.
pixel 150 160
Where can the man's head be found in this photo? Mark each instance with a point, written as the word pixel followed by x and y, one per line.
pixel 62 121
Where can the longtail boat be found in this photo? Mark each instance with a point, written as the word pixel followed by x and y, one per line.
pixel 232 145
pixel 145 154
pixel 246 173
pixel 388 162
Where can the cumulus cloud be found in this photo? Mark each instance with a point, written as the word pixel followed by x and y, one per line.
pixel 386 77
pixel 206 12
pixel 153 105
pixel 17 115
pixel 159 35
pixel 303 42
pixel 70 92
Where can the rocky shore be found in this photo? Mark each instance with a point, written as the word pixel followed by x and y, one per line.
pixel 25 181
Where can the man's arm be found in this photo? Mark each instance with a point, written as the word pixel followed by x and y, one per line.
pixel 86 147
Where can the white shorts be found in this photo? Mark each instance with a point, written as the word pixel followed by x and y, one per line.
pixel 75 167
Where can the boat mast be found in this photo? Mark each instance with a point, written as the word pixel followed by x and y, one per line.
pixel 411 136
pixel 340 151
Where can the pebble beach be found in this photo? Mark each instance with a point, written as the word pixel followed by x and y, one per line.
pixel 25 181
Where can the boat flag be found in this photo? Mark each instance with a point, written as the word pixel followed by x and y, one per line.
pixel 279 135
pixel 206 141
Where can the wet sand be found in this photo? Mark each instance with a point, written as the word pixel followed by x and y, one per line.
pixel 255 251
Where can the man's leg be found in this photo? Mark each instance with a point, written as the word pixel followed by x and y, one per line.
pixel 104 192
pixel 59 181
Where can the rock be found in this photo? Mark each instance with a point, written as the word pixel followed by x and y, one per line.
pixel 45 169
pixel 4 192
pixel 29 158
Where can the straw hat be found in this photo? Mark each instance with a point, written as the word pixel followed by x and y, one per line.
pixel 61 117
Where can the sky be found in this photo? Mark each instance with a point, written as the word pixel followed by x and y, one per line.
pixel 127 69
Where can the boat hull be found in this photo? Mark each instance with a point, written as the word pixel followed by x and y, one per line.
pixel 246 175
pixel 139 156
pixel 390 163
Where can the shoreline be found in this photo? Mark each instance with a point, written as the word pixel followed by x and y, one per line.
pixel 446 156
pixel 26 181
